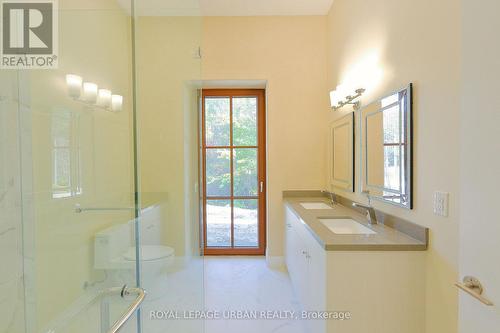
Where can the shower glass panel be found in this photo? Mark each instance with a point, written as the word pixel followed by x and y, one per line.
pixel 90 182
pixel 62 156
pixel 168 80
pixel 12 303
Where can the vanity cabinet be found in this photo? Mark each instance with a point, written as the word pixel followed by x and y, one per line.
pixel 306 261
pixel 382 290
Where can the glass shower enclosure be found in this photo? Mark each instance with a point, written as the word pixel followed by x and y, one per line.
pixel 99 174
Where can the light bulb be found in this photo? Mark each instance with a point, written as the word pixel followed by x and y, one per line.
pixel 341 92
pixel 104 98
pixel 334 98
pixel 74 84
pixel 116 102
pixel 90 92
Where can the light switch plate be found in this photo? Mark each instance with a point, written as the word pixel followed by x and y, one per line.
pixel 441 200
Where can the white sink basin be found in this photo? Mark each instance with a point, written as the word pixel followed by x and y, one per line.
pixel 315 205
pixel 346 227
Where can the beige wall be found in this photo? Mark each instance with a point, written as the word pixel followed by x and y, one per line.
pixel 290 53
pixel 167 76
pixel 415 42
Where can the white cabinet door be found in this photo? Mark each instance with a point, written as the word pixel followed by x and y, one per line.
pixel 316 275
pixel 315 297
pixel 306 261
pixel 289 243
pixel 291 259
pixel 294 258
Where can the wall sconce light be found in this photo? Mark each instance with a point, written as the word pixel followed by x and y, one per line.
pixel 116 102
pixel 89 93
pixel 104 98
pixel 74 84
pixel 341 97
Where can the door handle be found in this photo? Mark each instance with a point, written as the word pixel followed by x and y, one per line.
pixel 261 187
pixel 473 287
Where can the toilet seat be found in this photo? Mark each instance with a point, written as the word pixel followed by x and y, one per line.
pixel 149 252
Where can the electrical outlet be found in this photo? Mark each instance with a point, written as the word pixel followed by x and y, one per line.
pixel 441 203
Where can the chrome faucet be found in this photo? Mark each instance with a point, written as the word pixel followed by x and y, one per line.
pixel 333 196
pixel 370 212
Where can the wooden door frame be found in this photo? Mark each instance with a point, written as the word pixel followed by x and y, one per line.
pixel 261 172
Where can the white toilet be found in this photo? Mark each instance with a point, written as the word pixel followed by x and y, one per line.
pixel 115 253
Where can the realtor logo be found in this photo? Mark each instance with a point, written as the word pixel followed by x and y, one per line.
pixel 29 34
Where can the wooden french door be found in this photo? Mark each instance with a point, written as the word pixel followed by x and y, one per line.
pixel 234 171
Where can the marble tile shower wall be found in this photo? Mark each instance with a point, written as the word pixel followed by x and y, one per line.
pixel 11 246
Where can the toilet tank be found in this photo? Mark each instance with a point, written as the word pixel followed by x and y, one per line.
pixel 150 225
pixel 111 243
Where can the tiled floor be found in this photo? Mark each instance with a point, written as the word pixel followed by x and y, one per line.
pixel 223 284
pixel 246 283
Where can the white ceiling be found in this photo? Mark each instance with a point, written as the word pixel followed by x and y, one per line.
pixel 229 7
pixel 264 7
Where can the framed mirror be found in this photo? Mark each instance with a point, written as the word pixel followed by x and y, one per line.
pixel 386 148
pixel 341 160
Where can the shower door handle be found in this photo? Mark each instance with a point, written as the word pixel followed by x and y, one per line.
pixel 124 291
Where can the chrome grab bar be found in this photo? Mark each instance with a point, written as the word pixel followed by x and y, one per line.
pixel 125 291
pixel 79 209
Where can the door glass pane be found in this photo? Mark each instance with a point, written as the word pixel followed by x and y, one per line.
pixel 392 165
pixel 61 186
pixel 245 121
pixel 245 172
pixel 392 125
pixel 217 121
pixel 246 228
pixel 218 169
pixel 218 223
